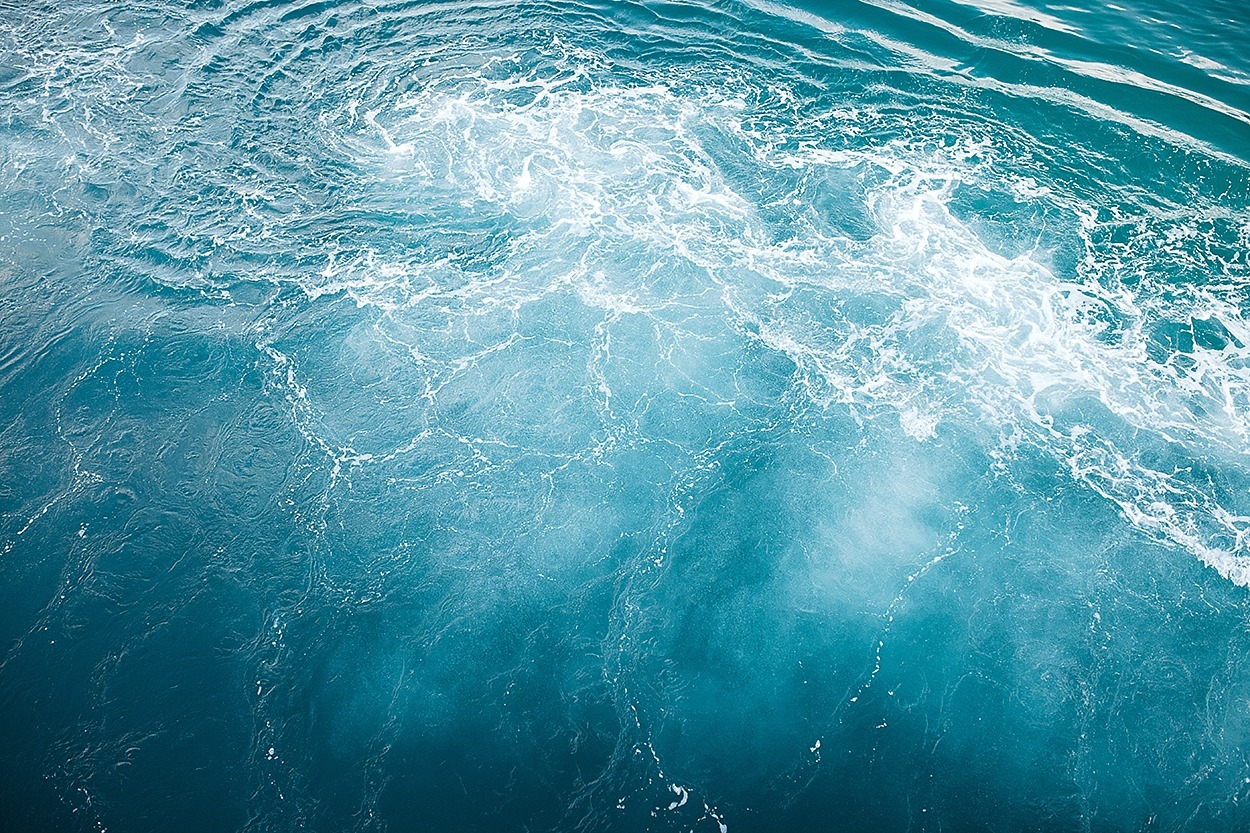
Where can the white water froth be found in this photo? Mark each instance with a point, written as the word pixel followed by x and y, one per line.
pixel 640 200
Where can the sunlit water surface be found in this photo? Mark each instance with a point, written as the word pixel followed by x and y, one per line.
pixel 617 416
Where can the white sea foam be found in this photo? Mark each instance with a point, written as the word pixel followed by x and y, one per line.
pixel 647 201
pixel 614 186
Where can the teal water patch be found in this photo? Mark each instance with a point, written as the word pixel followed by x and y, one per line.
pixel 624 416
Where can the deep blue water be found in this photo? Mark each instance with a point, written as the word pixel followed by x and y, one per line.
pixel 624 416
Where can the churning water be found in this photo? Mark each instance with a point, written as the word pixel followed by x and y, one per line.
pixel 624 416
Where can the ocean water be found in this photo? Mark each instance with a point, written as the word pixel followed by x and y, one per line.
pixel 624 416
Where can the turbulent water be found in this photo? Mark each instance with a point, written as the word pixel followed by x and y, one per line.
pixel 624 416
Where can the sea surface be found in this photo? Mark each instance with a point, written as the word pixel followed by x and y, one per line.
pixel 600 415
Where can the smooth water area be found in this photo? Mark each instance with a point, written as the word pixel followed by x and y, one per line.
pixel 624 416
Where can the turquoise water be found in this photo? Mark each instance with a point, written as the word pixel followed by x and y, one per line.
pixel 618 416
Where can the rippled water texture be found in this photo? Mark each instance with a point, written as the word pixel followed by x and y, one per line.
pixel 616 416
